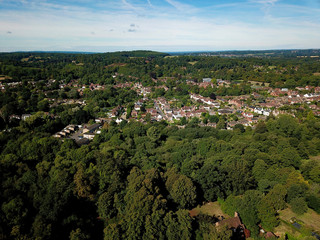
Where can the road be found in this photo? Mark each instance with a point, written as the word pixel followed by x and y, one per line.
pixel 159 110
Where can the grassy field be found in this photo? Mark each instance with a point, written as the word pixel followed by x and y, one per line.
pixel 315 158
pixel 3 77
pixel 258 83
pixel 210 208
pixel 310 221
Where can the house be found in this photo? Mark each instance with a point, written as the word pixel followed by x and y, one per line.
pixel 25 116
pixel 266 112
pixel 214 125
pixel 137 107
pixel 89 135
pixel 195 97
pixel 176 115
pixel 206 80
pixel 57 135
pixel 62 133
pixel 72 128
pixel 247 114
pixel 237 227
pixel 258 110
pixel 14 117
pixel 68 131
pixel 244 122
pixel 230 125
pixel 236 103
pixel 134 113
pixel 225 111
pixel 91 128
pixel 119 120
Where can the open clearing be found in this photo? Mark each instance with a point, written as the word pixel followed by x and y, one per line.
pixel 3 77
pixel 259 83
pixel 317 158
pixel 210 208
pixel 310 219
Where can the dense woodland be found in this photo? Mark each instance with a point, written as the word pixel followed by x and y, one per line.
pixel 139 181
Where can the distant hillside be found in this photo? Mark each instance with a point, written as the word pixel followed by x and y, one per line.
pixel 256 53
pixel 81 56
pixel 139 53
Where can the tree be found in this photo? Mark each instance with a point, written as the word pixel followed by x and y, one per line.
pixel 221 124
pixel 299 205
pixel 259 169
pixel 154 133
pixel 249 209
pixel 240 127
pixel 276 197
pixel 212 182
pixel 184 192
pixel 213 96
pixel 261 128
pixel 178 225
pixel 314 202
pixel 112 232
pixel 267 213
pixel 106 208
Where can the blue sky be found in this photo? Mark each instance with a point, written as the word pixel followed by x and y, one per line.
pixel 162 25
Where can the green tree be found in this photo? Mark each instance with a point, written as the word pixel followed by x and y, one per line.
pixel 178 225
pixel 299 205
pixel 267 213
pixel 184 192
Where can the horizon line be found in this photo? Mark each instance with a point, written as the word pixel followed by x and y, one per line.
pixel 185 51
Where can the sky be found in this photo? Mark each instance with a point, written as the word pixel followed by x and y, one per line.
pixel 160 25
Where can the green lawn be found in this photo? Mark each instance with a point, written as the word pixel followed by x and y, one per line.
pixel 211 209
pixel 310 221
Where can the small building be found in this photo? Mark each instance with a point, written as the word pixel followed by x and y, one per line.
pixel 225 111
pixel 72 127
pixel 237 227
pixel 62 133
pixel 206 80
pixel 25 116
pixel 91 128
pixel 83 141
pixel 119 120
pixel 57 135
pixel 89 135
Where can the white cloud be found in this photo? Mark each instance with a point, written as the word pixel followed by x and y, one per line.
pixel 266 2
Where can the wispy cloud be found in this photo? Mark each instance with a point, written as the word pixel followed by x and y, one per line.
pixel 267 2
pixel 182 7
pixel 266 5
pixel 149 2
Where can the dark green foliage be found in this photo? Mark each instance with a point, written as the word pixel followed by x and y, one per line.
pixel 314 202
pixel 299 205
pixel 178 225
pixel 296 191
